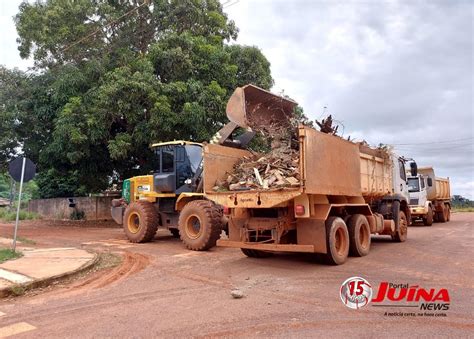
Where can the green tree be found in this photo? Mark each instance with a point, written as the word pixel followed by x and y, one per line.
pixel 12 92
pixel 117 76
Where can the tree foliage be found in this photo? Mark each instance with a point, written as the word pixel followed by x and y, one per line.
pixel 114 76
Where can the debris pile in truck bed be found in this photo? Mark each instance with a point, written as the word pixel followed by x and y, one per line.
pixel 278 168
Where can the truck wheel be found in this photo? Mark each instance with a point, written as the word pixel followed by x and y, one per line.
pixel 256 253
pixel 337 241
pixel 140 221
pixel 174 232
pixel 359 235
pixel 199 225
pixel 401 234
pixel 428 220
pixel 448 213
pixel 442 215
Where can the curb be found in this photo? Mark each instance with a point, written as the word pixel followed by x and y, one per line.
pixel 8 291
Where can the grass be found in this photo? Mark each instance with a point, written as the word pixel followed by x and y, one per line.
pixel 7 254
pixel 463 209
pixel 25 241
pixel 18 290
pixel 6 215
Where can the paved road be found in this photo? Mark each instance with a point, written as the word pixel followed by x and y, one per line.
pixel 162 290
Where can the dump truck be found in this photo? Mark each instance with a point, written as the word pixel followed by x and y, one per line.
pixel 172 195
pixel 430 197
pixel 346 193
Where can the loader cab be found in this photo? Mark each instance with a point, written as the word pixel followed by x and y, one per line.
pixel 177 167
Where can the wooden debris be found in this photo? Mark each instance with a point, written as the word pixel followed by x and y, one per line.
pixel 276 169
pixel 326 126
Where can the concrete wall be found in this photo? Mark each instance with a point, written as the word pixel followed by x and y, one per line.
pixel 95 208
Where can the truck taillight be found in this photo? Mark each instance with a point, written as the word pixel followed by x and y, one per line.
pixel 299 209
pixel 226 210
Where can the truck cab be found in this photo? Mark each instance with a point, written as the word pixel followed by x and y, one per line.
pixel 420 206
pixel 418 197
pixel 400 183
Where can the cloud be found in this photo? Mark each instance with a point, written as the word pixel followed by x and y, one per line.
pixel 391 72
pixel 9 55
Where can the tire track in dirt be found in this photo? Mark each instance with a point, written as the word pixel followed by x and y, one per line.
pixel 78 307
pixel 273 328
pixel 132 263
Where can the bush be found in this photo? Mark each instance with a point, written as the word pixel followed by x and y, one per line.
pixel 77 215
pixel 463 209
pixel 6 215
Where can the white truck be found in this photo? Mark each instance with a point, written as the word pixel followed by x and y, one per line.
pixel 430 198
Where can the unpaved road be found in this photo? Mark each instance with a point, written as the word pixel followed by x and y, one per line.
pixel 163 290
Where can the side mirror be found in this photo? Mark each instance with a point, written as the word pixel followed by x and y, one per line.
pixel 413 169
pixel 430 182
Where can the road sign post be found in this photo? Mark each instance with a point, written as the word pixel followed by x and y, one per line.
pixel 22 170
pixel 19 203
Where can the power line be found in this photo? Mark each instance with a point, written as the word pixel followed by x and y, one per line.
pixel 145 2
pixel 228 4
pixel 433 142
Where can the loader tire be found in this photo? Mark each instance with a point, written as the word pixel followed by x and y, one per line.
pixel 428 221
pixel 140 222
pixel 337 241
pixel 256 253
pixel 200 225
pixel 359 235
pixel 442 215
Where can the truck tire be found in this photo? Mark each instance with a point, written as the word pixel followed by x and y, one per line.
pixel 442 215
pixel 448 213
pixel 174 232
pixel 200 225
pixel 401 234
pixel 337 241
pixel 359 235
pixel 140 221
pixel 256 253
pixel 428 220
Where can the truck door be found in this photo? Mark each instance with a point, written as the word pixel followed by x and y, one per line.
pixel 402 175
pixel 400 178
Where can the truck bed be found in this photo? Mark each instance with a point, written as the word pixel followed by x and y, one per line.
pixel 329 166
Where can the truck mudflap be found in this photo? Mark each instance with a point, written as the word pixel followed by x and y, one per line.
pixel 267 247
pixel 117 214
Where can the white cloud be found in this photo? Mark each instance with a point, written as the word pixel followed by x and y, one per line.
pixel 392 72
pixel 9 54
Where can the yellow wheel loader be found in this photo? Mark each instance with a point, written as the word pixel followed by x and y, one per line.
pixel 172 197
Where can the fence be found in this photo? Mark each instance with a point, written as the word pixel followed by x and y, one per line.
pixel 94 208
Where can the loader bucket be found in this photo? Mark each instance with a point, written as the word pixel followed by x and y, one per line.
pixel 251 106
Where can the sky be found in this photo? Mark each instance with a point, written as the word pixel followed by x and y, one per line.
pixel 391 72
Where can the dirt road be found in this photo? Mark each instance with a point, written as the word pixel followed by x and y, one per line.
pixel 163 290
